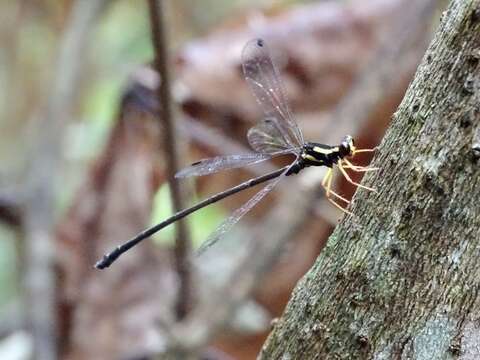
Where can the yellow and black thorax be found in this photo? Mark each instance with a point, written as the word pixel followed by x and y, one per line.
pixel 316 154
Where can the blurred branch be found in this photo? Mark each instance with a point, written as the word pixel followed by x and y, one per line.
pixel 115 198
pixel 43 172
pixel 12 321
pixel 182 243
pixel 9 36
pixel 10 208
pixel 141 95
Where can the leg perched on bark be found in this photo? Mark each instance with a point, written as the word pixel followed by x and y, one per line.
pixel 364 150
pixel 349 179
pixel 357 168
pixel 327 184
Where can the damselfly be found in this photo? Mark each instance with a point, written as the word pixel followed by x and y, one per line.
pixel 277 134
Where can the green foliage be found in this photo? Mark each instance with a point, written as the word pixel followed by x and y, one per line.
pixel 122 42
pixel 201 223
pixel 8 267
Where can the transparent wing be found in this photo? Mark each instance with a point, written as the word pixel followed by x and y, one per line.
pixel 228 223
pixel 267 138
pixel 215 164
pixel 264 81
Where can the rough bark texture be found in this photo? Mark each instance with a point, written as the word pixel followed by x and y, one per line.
pixel 399 280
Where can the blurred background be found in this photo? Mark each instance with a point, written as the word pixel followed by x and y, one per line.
pixel 82 167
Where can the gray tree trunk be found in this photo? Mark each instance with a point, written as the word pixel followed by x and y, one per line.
pixel 401 279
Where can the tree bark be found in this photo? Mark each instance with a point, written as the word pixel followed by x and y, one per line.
pixel 400 279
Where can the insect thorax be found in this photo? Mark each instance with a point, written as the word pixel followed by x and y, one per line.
pixel 315 154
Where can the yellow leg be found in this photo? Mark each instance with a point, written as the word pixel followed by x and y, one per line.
pixel 358 168
pixel 327 183
pixel 365 150
pixel 338 206
pixel 330 191
pixel 327 176
pixel 340 166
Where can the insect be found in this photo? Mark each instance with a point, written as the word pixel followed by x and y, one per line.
pixel 275 135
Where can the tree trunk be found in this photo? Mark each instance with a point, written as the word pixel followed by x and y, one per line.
pixel 400 279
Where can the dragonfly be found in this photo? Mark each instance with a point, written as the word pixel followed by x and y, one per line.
pixel 276 134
